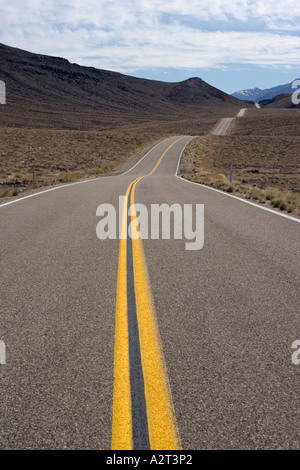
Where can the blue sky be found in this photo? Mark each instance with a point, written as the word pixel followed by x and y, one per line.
pixel 231 44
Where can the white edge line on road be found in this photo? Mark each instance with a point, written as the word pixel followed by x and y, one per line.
pixel 176 174
pixel 81 182
pixel 226 194
pixel 48 190
pixel 180 156
pixel 168 138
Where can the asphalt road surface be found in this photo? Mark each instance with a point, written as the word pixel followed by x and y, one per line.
pixel 109 348
pixel 242 112
pixel 223 126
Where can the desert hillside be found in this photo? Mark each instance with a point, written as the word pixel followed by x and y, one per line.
pixel 50 92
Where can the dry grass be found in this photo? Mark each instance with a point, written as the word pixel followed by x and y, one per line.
pixel 269 122
pixel 56 156
pixel 263 148
pixel 63 156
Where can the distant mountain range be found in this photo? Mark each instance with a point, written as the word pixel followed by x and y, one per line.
pixel 45 91
pixel 256 94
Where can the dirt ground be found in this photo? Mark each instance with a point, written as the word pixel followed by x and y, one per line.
pixel 41 157
pixel 263 148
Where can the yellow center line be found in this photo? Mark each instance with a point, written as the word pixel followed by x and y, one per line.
pixel 222 127
pixel 162 428
pixel 159 161
pixel 121 421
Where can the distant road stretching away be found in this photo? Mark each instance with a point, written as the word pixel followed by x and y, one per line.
pixel 143 344
pixel 222 127
pixel 242 112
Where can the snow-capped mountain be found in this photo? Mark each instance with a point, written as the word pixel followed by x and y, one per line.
pixel 251 94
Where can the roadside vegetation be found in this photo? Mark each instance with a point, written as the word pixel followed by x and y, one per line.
pixel 263 149
pixel 32 158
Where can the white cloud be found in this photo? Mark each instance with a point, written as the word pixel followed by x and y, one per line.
pixel 141 34
pixel 119 13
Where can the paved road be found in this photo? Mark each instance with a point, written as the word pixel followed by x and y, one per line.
pixel 222 127
pixel 226 317
pixel 242 112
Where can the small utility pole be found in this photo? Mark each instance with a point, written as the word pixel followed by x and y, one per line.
pixel 230 174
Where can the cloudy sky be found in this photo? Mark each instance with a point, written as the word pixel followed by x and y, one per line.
pixel 232 44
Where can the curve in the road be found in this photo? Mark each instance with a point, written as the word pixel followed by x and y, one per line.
pixel 226 315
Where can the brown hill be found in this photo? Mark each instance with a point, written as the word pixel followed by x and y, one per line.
pixel 50 92
pixel 283 101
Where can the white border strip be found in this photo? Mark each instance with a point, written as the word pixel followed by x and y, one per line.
pixel 47 191
pixel 227 194
pixel 84 181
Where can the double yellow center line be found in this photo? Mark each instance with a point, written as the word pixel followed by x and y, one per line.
pixel 143 414
pixel 225 121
